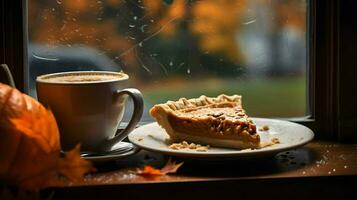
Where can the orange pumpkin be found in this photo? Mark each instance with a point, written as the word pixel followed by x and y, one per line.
pixel 29 144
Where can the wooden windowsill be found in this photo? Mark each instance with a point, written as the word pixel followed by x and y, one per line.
pixel 308 170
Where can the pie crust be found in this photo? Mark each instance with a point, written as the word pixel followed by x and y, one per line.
pixel 216 121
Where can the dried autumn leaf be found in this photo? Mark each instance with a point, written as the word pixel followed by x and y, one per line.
pixel 169 168
pixel 29 144
pixel 149 170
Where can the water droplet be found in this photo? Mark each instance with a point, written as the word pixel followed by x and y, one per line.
pixel 44 58
pixel 59 1
pixel 250 22
pixel 345 166
pixel 53 9
pixel 140 44
pixel 303 172
pixel 151 20
pixel 329 172
pixel 135 17
pixel 168 2
pixel 188 71
pixel 99 18
pixel 131 25
pixel 334 170
pixel 171 63
pixel 142 28
pixel 69 45
pixel 99 2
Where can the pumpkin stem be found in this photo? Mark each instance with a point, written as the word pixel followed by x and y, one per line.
pixel 7 71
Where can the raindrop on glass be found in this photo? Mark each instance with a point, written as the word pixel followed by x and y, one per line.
pixel 168 2
pixel 131 25
pixel 171 63
pixel 59 1
pixel 188 71
pixel 135 17
pixel 142 28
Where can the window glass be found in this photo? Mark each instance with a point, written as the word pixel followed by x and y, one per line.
pixel 180 48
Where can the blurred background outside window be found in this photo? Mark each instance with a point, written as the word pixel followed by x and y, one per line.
pixel 180 48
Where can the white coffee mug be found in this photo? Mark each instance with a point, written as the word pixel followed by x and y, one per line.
pixel 88 107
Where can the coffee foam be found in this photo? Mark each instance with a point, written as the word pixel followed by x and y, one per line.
pixel 82 77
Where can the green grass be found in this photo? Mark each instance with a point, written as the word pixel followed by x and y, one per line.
pixel 278 97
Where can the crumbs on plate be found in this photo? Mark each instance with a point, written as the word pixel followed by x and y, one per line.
pixel 272 142
pixel 275 141
pixel 264 128
pixel 192 146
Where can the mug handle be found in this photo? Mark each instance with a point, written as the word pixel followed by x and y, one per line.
pixel 138 101
pixel 8 74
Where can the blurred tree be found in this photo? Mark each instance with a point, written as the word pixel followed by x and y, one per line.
pixel 154 38
pixel 216 22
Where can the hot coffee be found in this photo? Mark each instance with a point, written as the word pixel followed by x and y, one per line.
pixel 82 77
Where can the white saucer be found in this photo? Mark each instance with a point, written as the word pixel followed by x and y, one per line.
pixel 131 149
pixel 291 135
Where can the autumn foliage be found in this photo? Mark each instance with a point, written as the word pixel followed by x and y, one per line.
pixel 29 145
pixel 132 33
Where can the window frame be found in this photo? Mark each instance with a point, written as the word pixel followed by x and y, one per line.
pixel 323 72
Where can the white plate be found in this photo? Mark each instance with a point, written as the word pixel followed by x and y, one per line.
pixel 291 135
pixel 115 156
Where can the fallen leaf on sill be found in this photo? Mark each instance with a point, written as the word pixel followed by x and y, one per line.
pixel 169 168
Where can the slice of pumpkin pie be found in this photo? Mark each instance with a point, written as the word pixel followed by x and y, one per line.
pixel 219 121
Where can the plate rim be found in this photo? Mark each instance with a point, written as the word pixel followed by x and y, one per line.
pixel 236 153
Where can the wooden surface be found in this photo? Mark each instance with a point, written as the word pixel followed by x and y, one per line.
pixel 328 166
